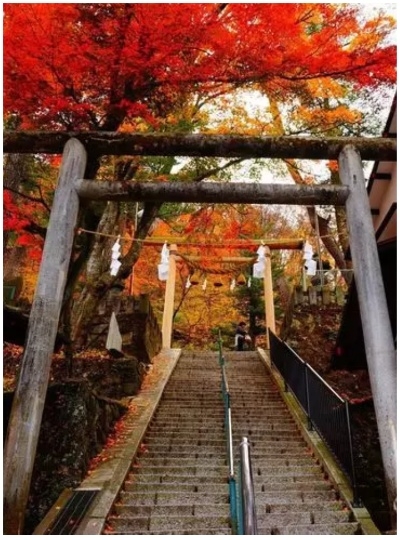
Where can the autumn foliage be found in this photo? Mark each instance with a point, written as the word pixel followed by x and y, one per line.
pixel 81 66
pixel 143 67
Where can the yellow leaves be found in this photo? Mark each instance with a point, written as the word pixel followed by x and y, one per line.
pixel 370 36
pixel 326 88
pixel 327 118
pixel 135 126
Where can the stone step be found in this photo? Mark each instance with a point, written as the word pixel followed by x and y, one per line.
pixel 196 510
pixel 194 452
pixel 212 430
pixel 208 470
pixel 274 486
pixel 173 499
pixel 314 506
pixel 187 448
pixel 195 415
pixel 144 487
pixel 167 461
pixel 177 422
pixel 303 518
pixel 291 434
pixel 289 497
pixel 320 529
pixel 284 470
pixel 187 430
pixel 171 478
pixel 185 438
pixel 201 532
pixel 166 524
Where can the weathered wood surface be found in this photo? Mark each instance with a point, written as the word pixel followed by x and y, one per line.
pixel 168 313
pixel 268 297
pixel 156 144
pixel 27 409
pixel 213 192
pixel 379 347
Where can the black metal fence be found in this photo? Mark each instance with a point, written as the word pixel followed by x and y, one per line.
pixel 326 411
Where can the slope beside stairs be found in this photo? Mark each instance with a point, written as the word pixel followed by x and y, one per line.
pixel 178 482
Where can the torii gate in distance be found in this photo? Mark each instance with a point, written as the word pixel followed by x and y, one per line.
pixel 27 409
pixel 268 286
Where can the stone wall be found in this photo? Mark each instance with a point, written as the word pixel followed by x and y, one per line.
pixel 75 426
pixel 141 340
pixel 141 334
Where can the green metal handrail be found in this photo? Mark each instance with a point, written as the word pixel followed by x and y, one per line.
pixel 242 507
pixel 228 430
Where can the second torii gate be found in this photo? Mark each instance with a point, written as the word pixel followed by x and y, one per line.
pixel 268 286
pixel 31 390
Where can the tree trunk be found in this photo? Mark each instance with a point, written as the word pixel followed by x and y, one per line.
pixel 112 143
pixel 95 267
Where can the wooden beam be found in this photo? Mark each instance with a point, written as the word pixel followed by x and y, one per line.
pixel 284 243
pixel 213 192
pixel 30 394
pixel 195 258
pixel 178 144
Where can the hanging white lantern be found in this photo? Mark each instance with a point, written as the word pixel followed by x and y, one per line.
pixel 233 284
pixel 249 282
pixel 188 284
pixel 204 286
pixel 115 255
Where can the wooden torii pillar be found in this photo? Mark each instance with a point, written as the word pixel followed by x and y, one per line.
pixel 268 297
pixel 28 403
pixel 168 313
pixel 379 346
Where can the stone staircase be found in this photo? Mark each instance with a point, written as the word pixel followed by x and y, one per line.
pixel 178 483
pixel 292 494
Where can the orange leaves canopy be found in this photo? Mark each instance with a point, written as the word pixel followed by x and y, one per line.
pixel 81 66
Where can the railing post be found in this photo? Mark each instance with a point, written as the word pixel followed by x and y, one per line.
pixel 379 346
pixel 30 394
pixel 356 499
pixel 309 422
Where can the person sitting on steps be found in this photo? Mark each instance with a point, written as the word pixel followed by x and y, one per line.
pixel 241 336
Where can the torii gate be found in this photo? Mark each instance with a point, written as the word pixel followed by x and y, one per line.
pixel 30 394
pixel 268 288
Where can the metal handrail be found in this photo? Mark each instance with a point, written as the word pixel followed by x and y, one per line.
pixel 228 429
pixel 247 489
pixel 326 411
pixel 242 508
